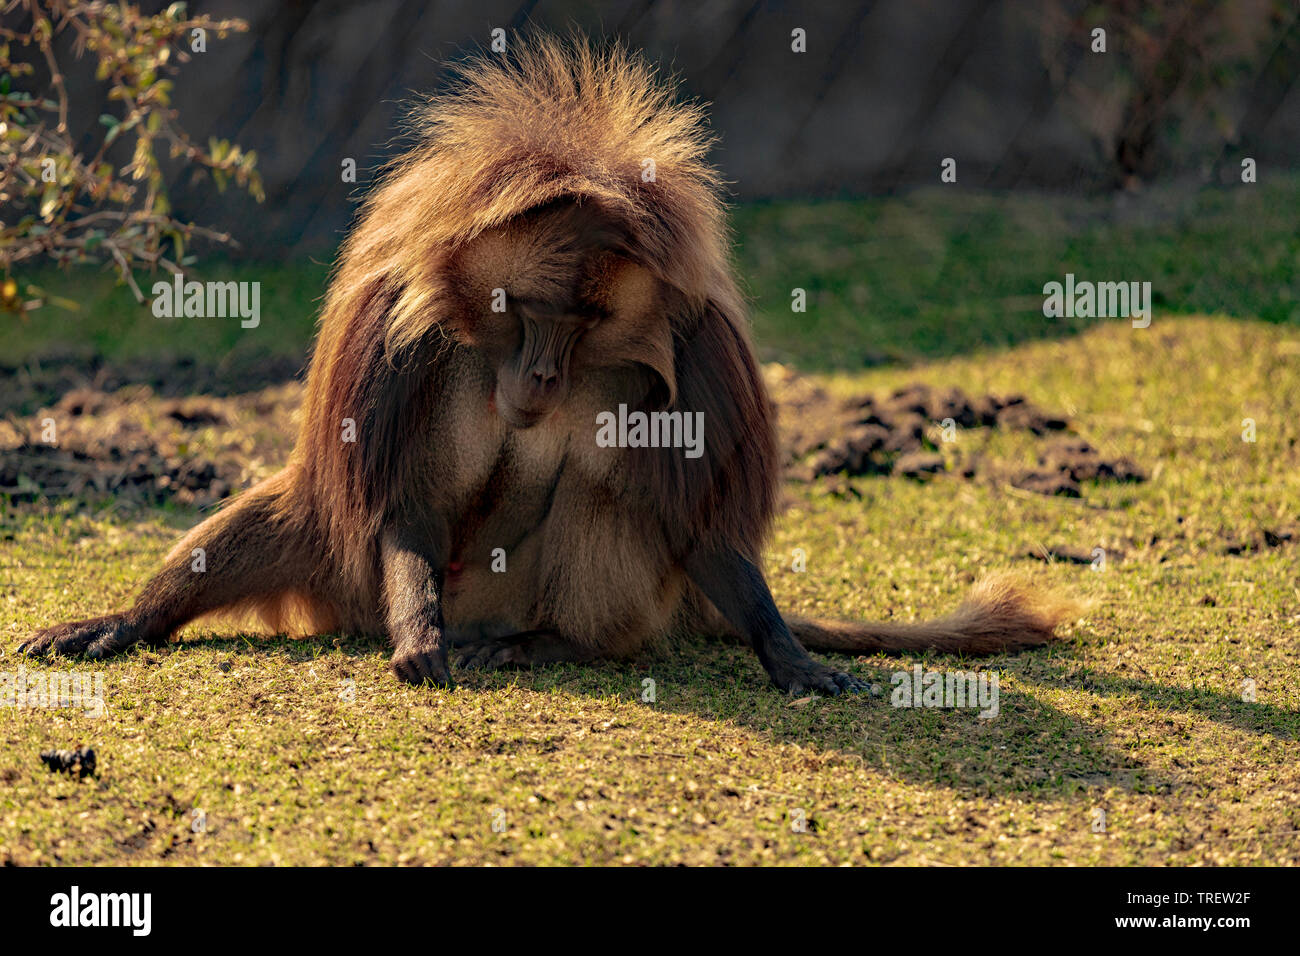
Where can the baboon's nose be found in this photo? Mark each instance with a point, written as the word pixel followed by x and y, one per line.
pixel 544 381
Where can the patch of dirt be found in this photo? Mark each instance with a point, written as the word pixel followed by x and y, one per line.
pixel 151 432
pixel 1065 554
pixel 903 434
pixel 1262 539
pixel 39 383
pixel 1068 462
pixel 142 447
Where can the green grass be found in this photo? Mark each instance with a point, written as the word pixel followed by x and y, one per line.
pixel 939 273
pixel 932 274
pixel 309 752
pixel 109 322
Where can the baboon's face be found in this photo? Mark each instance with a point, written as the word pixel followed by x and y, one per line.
pixel 533 371
pixel 550 297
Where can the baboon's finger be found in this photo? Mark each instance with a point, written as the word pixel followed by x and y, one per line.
pixel 418 667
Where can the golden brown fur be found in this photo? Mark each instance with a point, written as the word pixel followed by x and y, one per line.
pixel 1003 612
pixel 474 427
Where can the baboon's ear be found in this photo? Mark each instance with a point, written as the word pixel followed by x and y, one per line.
pixel 636 327
pixel 656 347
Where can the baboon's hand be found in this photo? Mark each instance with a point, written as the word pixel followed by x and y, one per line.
pixel 418 663
pixel 804 677
pixel 95 637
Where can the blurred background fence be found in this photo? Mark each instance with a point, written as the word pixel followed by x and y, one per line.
pixel 1012 90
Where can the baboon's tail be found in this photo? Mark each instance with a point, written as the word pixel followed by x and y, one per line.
pixel 1003 612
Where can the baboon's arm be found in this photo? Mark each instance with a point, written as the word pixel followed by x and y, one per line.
pixel 412 567
pixel 737 589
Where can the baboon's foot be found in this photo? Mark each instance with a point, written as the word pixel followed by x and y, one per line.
pixel 809 677
pixel 490 655
pixel 422 663
pixel 95 637
pixel 518 650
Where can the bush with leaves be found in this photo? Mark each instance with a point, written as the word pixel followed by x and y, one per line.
pixel 60 204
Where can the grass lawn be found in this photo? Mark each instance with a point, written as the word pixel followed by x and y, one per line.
pixel 234 749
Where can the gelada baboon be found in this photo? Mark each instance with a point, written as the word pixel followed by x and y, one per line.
pixel 552 250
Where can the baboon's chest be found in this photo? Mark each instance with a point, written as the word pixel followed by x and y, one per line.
pixel 500 484
pixel 513 497
pixel 497 485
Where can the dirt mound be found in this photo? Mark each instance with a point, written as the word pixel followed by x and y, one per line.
pixel 123 460
pixel 1262 539
pixel 78 763
pixel 1070 461
pixel 904 434
pixel 141 448
pixel 39 383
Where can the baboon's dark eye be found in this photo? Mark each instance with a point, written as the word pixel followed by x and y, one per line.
pixel 591 316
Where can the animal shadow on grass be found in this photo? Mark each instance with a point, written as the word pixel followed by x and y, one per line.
pixel 1028 748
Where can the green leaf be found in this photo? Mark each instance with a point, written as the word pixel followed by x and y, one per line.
pixel 50 200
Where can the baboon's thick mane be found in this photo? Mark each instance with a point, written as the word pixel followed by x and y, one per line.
pixel 555 120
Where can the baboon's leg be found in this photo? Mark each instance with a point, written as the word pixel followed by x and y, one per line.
pixel 246 551
pixel 737 589
pixel 410 560
pixel 521 650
